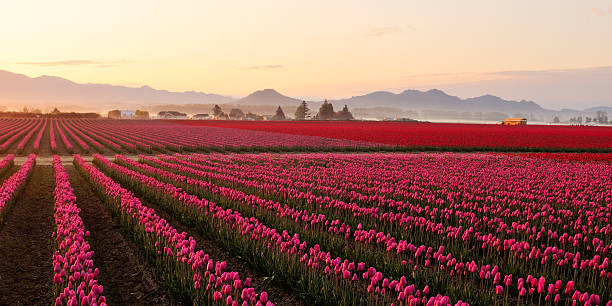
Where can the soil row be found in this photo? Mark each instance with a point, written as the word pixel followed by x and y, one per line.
pixel 27 247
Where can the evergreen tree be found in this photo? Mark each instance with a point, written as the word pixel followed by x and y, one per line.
pixel 113 114
pixel 344 114
pixel 280 115
pixel 326 111
pixel 301 113
pixel 139 114
pixel 217 111
pixel 236 113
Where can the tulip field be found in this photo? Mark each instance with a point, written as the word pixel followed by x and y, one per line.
pixel 437 136
pixel 80 136
pixel 101 212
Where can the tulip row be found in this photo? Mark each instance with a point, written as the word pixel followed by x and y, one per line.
pixel 98 146
pixel 281 176
pixel 324 184
pixel 192 274
pixel 11 128
pixel 582 157
pixel 291 250
pixel 27 137
pixel 437 136
pixel 314 221
pixel 65 140
pixel 140 134
pixel 52 142
pixel 7 163
pixel 174 137
pixel 135 141
pixel 590 263
pixel 134 135
pixel 15 183
pixel 114 143
pixel 98 138
pixel 76 277
pixel 5 145
pixel 394 260
pixel 428 232
pixel 138 143
pixel 39 137
pixel 64 126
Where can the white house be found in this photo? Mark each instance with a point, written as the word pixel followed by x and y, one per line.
pixel 128 114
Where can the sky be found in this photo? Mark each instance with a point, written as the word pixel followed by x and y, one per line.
pixel 518 49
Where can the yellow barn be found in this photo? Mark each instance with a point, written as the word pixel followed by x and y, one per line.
pixel 514 121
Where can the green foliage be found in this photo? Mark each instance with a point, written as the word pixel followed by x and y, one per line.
pixel 326 111
pixel 139 114
pixel 236 113
pixel 114 114
pixel 280 115
pixel 302 112
pixel 217 111
pixel 344 114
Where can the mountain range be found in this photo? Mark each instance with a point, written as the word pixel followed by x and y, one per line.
pixel 46 90
pixel 50 90
pixel 435 99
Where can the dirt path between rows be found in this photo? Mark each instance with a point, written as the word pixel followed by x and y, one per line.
pixel 66 159
pixel 124 273
pixel 26 245
pixel 280 296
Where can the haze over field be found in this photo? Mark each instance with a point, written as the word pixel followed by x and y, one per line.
pixel 47 92
pixel 552 53
pixel 293 153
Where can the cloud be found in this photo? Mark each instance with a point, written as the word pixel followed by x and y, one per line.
pixel 600 11
pixel 263 67
pixel 505 74
pixel 98 64
pixel 382 31
pixel 527 73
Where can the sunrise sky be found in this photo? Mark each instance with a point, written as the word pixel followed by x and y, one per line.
pixel 319 48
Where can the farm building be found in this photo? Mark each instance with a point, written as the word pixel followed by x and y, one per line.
pixel 171 115
pixel 202 117
pixel 127 114
pixel 514 121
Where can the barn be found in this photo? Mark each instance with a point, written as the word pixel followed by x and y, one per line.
pixel 514 121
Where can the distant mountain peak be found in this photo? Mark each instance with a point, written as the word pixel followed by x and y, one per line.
pixel 267 96
pixel 436 99
pixel 267 91
pixel 45 90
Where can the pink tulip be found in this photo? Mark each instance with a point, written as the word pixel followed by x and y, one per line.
pixel 499 290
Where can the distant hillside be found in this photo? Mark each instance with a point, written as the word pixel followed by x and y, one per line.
pixel 607 109
pixel 267 97
pixel 45 90
pixel 48 91
pixel 438 100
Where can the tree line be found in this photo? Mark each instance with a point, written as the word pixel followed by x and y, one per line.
pixel 55 113
pixel 326 112
pixel 303 112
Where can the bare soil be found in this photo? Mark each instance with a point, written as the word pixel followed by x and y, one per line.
pixel 124 272
pixel 261 282
pixel 26 245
